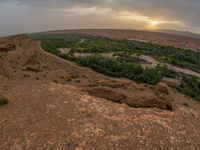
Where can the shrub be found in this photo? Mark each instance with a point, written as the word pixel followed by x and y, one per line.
pixel 37 78
pixel 68 79
pixel 55 81
pixel 186 104
pixel 110 85
pixel 141 89
pixel 3 100
pixel 62 77
pixel 112 67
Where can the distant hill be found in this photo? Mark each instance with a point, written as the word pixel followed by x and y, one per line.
pixel 184 33
pixel 164 37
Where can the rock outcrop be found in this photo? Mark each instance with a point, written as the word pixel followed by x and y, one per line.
pixel 162 88
pixel 107 94
pixel 6 44
pixel 3 71
pixel 137 101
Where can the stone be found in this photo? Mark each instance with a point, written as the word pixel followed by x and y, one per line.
pixel 162 88
pixel 32 68
pixel 107 94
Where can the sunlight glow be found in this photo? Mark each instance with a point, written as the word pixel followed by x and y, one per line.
pixel 154 23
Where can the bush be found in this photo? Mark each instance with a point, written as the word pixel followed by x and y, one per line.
pixel 191 87
pixel 186 104
pixel 37 78
pixel 114 68
pixel 68 79
pixel 3 100
pixel 55 81
pixel 110 66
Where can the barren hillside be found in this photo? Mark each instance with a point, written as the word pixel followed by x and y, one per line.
pixel 55 104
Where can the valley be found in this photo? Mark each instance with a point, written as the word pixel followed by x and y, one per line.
pixel 78 91
pixel 135 60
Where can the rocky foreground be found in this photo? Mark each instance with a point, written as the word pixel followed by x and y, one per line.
pixel 54 104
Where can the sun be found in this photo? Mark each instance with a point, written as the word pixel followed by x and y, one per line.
pixel 154 23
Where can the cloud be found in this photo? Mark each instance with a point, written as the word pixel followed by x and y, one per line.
pixel 85 11
pixel 33 15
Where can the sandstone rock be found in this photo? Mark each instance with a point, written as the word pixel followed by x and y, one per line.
pixel 171 81
pixel 3 71
pixel 139 102
pixel 6 44
pixel 163 88
pixel 32 59
pixel 107 94
pixel 7 47
pixel 32 68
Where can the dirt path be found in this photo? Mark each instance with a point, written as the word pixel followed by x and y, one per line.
pixel 182 70
pixel 154 63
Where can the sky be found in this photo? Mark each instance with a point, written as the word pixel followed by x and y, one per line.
pixel 27 16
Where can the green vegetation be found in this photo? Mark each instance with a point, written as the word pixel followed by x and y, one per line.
pixel 126 61
pixel 176 56
pixel 51 42
pixel 190 86
pixel 114 68
pixel 37 78
pixel 68 78
pixel 186 104
pixel 3 100
pixel 110 85
pixel 62 77
pixel 55 81
pixel 141 89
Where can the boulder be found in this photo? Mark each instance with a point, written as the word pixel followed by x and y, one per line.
pixel 3 71
pixel 7 47
pixel 35 68
pixel 171 81
pixel 162 88
pixel 139 102
pixel 107 94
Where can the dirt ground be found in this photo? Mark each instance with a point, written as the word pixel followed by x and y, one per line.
pixel 50 107
pixel 53 116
